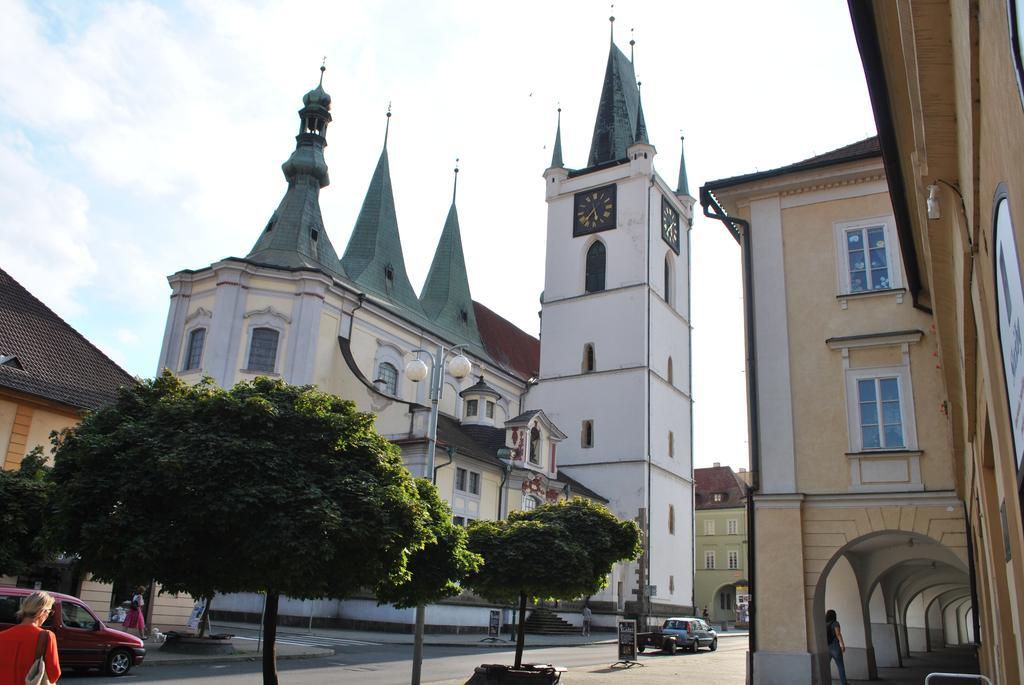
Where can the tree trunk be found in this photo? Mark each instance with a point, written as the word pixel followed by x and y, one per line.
pixel 270 639
pixel 204 620
pixel 521 636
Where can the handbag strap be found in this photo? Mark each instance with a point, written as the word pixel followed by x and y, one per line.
pixel 42 642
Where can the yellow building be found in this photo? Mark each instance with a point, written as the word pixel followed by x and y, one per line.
pixel 945 80
pixel 720 533
pixel 854 491
pixel 49 377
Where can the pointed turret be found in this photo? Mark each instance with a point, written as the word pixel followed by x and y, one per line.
pixel 682 187
pixel 295 236
pixel 373 257
pixel 641 125
pixel 616 125
pixel 556 154
pixel 445 296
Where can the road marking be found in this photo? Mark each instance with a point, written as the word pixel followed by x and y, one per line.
pixel 317 641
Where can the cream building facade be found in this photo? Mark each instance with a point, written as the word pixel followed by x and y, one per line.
pixel 855 503
pixel 720 532
pixel 509 436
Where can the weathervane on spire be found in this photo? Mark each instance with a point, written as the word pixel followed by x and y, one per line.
pixel 455 185
pixel 611 21
pixel 323 68
pixel 387 126
pixel 631 44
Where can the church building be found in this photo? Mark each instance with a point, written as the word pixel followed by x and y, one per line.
pixel 600 409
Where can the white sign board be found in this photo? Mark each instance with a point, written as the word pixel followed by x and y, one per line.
pixel 1010 298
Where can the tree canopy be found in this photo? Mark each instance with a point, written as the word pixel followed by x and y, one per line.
pixel 263 487
pixel 24 494
pixel 556 551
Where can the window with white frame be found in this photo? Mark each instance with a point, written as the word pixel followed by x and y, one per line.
pixel 731 527
pixel 709 559
pixel 490 409
pixel 388 375
pixel 867 253
pixel 587 434
pixel 530 502
pixel 733 559
pixel 881 415
pixel 263 350
pixel 474 483
pixel 467 481
pixel 471 407
pixel 709 527
pixel 194 355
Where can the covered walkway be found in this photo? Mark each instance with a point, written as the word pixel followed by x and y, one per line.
pixel 919 664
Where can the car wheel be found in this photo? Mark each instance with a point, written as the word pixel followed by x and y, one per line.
pixel 694 646
pixel 641 648
pixel 119 662
pixel 670 647
pixel 714 644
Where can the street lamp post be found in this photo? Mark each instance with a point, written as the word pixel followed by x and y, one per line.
pixel 416 370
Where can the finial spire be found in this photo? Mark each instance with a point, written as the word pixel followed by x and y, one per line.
pixel 323 68
pixel 387 126
pixel 455 185
pixel 682 187
pixel 611 22
pixel 640 135
pixel 556 154
pixel 631 44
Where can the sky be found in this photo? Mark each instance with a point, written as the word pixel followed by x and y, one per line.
pixel 141 138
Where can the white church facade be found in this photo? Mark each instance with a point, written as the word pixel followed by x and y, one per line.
pixel 600 407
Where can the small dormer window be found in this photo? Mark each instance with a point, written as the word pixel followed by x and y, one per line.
pixel 9 360
pixel 472 407
pixel 464 315
pixel 490 409
pixel 389 273
pixel 270 226
pixel 718 497
pixel 534 446
pixel 314 234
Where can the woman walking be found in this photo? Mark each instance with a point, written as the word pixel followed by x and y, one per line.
pixel 135 619
pixel 21 645
pixel 836 645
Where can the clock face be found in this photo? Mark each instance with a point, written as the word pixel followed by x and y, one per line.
pixel 670 225
pixel 594 210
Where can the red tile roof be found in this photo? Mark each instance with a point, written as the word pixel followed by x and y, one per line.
pixel 718 479
pixel 54 361
pixel 511 347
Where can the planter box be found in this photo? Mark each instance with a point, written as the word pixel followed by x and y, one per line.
pixel 527 674
pixel 184 644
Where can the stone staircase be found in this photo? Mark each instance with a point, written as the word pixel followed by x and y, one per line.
pixel 545 622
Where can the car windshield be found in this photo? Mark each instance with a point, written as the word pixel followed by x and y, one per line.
pixel 76 616
pixel 677 625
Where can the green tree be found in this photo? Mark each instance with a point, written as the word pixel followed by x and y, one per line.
pixel 556 551
pixel 24 494
pixel 264 487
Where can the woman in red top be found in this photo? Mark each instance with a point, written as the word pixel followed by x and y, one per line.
pixel 18 643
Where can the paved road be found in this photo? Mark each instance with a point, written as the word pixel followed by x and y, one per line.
pixel 377 664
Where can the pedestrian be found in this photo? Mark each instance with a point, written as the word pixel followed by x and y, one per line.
pixel 706 616
pixel 588 616
pixel 23 644
pixel 836 644
pixel 135 619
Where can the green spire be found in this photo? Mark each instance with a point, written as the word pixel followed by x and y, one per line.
pixel 616 125
pixel 295 236
pixel 682 188
pixel 556 155
pixel 641 125
pixel 445 296
pixel 373 257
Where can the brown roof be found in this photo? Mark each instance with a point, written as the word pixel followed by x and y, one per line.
pixel 51 359
pixel 864 149
pixel 718 479
pixel 511 347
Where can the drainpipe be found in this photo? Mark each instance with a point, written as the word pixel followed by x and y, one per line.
pixel 740 230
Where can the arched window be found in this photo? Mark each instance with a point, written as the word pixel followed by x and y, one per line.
pixel 587 434
pixel 588 358
pixel 671 445
pixel 196 340
pixel 671 520
pixel 534 446
pixel 263 350
pixel 669 373
pixel 389 375
pixel 668 278
pixel 530 502
pixel 595 268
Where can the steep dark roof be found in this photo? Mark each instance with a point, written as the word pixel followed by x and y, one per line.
pixel 718 479
pixel 615 127
pixel 445 296
pixel 864 149
pixel 513 348
pixel 481 442
pixel 56 362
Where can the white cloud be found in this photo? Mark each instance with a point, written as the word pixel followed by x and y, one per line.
pixel 126 337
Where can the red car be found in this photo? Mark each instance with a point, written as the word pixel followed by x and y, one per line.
pixel 83 641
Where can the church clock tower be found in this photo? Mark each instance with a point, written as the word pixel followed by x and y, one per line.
pixel 615 341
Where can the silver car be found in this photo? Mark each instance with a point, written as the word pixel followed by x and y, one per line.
pixel 691 633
